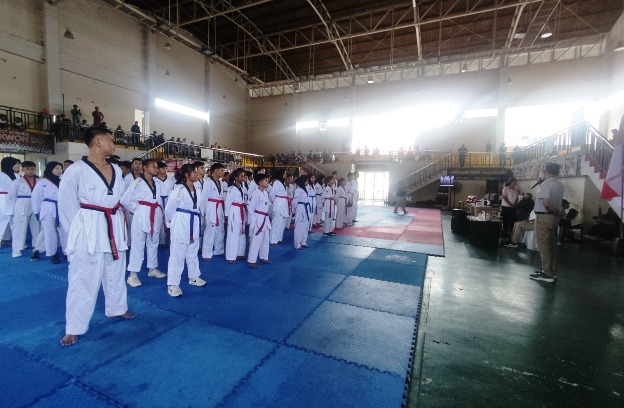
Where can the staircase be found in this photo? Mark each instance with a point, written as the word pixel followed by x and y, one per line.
pixel 423 176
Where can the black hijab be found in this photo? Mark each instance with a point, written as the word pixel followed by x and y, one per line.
pixel 6 166
pixel 48 172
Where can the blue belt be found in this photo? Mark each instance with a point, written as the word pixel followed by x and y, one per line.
pixel 23 196
pixel 162 198
pixel 55 207
pixel 193 214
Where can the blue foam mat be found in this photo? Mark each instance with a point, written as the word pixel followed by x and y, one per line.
pixel 250 335
pixel 297 378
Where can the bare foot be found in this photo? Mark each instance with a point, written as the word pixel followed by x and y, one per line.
pixel 69 340
pixel 127 315
pixel 252 265
pixel 265 261
pixel 232 262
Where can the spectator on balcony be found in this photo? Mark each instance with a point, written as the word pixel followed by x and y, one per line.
pixel 502 152
pixel 98 116
pixel 366 151
pixel 376 152
pixel 120 136
pixel 4 122
pixel 76 114
pixel 136 133
pixel 462 151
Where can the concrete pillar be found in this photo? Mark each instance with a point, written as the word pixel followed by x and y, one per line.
pixel 52 58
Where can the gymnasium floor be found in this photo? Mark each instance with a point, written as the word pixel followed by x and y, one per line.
pixel 330 326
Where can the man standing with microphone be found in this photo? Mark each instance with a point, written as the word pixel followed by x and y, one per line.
pixel 548 213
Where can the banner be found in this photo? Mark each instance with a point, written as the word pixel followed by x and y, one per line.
pixel 477 173
pixel 22 141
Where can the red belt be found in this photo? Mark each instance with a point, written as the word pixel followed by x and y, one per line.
pixel 289 203
pixel 153 207
pixel 108 213
pixel 263 220
pixel 241 207
pixel 3 192
pixel 214 200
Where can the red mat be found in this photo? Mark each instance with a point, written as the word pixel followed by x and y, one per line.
pixel 425 226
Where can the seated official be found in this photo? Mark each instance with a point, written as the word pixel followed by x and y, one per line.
pixel 524 207
pixel 519 229
pixel 573 216
pixel 607 225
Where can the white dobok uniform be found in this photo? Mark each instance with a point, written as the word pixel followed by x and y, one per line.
pixel 45 204
pixel 259 226
pixel 312 207
pixel 236 213
pixel 6 206
pixel 128 180
pixel 341 206
pixel 329 208
pixel 20 193
pixel 282 211
pixel 320 203
pixel 356 197
pixel 165 188
pixel 213 200
pixel 350 199
pixel 143 202
pixel 183 214
pixel 301 202
pixel 89 210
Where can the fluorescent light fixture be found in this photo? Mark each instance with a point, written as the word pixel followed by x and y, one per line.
pixel 310 124
pixel 161 103
pixel 480 113
pixel 619 46
pixel 370 80
pixel 547 32
pixel 168 46
pixel 338 122
pixel 464 68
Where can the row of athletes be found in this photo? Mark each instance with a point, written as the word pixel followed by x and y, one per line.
pixel 94 209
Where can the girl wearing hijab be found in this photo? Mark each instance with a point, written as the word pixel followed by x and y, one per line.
pixel 45 206
pixel 301 203
pixel 8 167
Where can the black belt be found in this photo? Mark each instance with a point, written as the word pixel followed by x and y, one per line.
pixel 543 213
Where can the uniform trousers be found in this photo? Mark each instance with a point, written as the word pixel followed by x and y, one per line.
pixel 129 218
pixel 49 236
pixel 236 241
pixel 259 245
pixel 546 237
pixel 21 223
pixel 214 237
pixel 86 273
pixel 143 241
pixel 5 223
pixel 179 252
pixel 301 230
pixel 328 224
pixel 319 212
pixel 340 213
pixel 278 224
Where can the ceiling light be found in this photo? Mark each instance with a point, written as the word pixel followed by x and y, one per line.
pixel 370 80
pixel 68 34
pixel 464 68
pixel 619 46
pixel 546 32
pixel 167 73
pixel 509 81
pixel 168 46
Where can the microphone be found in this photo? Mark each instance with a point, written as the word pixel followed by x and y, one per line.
pixel 537 183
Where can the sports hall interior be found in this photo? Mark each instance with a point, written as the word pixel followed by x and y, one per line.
pixel 393 97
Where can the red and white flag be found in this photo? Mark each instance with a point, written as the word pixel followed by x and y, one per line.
pixel 612 186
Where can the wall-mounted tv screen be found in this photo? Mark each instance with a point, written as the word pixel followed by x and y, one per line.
pixel 447 181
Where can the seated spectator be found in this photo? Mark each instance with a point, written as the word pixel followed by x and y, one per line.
pixel 573 218
pixel 607 225
pixel 18 123
pixel 120 136
pixel 4 121
pixel 524 206
pixel 519 229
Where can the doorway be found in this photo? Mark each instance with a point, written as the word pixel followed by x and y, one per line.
pixel 373 186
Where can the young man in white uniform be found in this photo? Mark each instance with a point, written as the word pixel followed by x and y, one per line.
pixel 142 199
pixel 20 193
pixel 213 200
pixel 235 216
pixel 259 223
pixel 281 207
pixel 89 196
pixel 166 185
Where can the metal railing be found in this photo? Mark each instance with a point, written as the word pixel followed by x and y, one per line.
pixel 176 150
pixel 21 119
pixel 423 175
